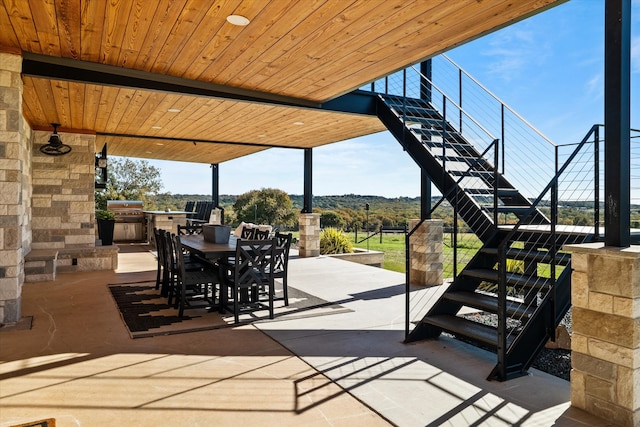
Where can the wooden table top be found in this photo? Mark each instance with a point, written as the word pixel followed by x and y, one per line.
pixel 196 243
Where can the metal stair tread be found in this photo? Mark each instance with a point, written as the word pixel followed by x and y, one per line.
pixel 488 303
pixel 512 278
pixel 459 326
pixel 531 255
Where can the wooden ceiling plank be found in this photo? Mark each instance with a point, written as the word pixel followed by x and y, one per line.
pixel 45 21
pixel 266 28
pixel 351 29
pixel 119 107
pixel 92 17
pixel 105 106
pixel 68 15
pixel 156 38
pixel 204 46
pixel 323 21
pixel 147 114
pixel 8 38
pixel 234 114
pixel 116 17
pixel 133 106
pixel 92 94
pixel 45 96
pixel 201 119
pixel 436 39
pixel 60 91
pixel 224 37
pixel 288 42
pixel 77 104
pixel 342 49
pixel 34 114
pixel 140 19
pixel 172 122
pixel 186 24
pixel 23 25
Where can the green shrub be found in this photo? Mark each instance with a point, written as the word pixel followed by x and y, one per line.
pixel 105 214
pixel 334 241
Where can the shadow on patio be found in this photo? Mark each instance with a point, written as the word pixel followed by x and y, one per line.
pixel 78 364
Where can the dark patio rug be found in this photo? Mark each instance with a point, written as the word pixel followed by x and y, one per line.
pixel 146 313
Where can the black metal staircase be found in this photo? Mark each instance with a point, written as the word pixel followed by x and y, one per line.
pixel 520 278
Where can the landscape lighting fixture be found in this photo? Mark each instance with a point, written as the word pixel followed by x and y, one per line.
pixel 238 20
pixel 55 147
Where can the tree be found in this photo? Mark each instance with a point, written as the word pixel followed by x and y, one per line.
pixel 265 206
pixel 332 219
pixel 130 180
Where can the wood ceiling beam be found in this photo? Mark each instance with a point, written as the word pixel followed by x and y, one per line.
pixel 56 68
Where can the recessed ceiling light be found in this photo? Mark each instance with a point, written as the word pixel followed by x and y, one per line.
pixel 159 143
pixel 239 20
pixel 173 110
pixel 298 123
pixel 148 152
pixel 156 127
pixel 262 135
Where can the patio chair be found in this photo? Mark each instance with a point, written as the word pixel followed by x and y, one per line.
pixel 260 234
pixel 243 280
pixel 188 230
pixel 194 288
pixel 162 273
pixel 247 233
pixel 282 262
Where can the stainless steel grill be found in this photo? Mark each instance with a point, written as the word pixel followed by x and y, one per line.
pixel 129 219
pixel 126 210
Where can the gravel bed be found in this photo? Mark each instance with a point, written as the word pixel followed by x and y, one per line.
pixel 556 362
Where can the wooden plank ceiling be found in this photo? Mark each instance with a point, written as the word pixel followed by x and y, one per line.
pixel 312 50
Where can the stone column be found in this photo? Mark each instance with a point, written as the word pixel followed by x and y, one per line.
pixel 425 251
pixel 605 379
pixel 14 197
pixel 309 243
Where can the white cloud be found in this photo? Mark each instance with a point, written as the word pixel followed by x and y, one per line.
pixel 512 51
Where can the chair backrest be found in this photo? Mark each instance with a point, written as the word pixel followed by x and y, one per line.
pixel 187 230
pixel 177 256
pixel 260 234
pixel 159 241
pixel 188 207
pixel 247 233
pixel 283 242
pixel 206 215
pixel 255 261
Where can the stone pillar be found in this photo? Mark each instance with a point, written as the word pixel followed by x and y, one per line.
pixel 425 252
pixel 309 244
pixel 15 184
pixel 605 344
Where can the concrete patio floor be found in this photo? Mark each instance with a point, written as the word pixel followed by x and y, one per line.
pixel 77 363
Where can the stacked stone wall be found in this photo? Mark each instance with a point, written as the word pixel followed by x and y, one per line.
pixel 309 245
pixel 63 194
pixel 425 252
pixel 605 343
pixel 15 196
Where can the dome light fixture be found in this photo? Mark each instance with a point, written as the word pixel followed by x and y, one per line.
pixel 55 147
pixel 238 20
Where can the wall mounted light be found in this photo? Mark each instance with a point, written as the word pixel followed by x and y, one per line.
pixel 55 147
pixel 101 168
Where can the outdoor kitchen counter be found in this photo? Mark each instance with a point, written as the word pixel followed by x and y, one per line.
pixel 164 220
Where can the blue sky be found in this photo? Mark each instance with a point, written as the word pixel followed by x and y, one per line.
pixel 549 68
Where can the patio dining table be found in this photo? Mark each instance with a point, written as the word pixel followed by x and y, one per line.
pixel 209 250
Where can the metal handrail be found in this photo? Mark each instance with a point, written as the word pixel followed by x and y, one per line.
pixel 499 100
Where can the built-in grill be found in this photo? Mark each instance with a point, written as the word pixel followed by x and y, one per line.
pixel 129 215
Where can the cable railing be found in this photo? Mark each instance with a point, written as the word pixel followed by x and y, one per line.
pixel 526 155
